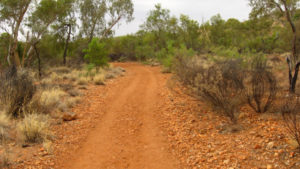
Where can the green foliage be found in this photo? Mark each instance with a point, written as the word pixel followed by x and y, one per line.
pixel 98 17
pixel 97 53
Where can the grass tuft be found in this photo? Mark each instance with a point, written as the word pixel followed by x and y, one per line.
pixel 34 128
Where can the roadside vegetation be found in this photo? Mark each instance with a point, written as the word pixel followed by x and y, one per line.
pixel 51 51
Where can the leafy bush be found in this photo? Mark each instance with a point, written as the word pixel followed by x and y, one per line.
pixel 97 53
pixel 262 86
pixel 34 128
pixel 226 52
pixel 17 90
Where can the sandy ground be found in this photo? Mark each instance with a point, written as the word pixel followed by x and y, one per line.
pixel 128 135
pixel 144 121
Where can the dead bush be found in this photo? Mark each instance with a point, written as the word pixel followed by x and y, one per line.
pixel 4 127
pixel 290 113
pixel 4 159
pixel 34 128
pixel 261 86
pixel 222 87
pixel 16 90
pixel 186 69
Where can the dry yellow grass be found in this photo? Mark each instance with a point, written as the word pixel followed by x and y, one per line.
pixel 48 146
pixel 4 120
pixel 61 70
pixel 34 128
pixel 72 101
pixel 51 97
pixel 83 80
pixel 55 77
pixel 47 81
pixel 4 159
pixel 4 125
pixel 99 79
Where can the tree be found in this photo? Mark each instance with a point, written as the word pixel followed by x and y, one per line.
pixel 12 14
pixel 189 31
pixel 98 17
pixel 65 25
pixel 158 23
pixel 47 13
pixel 288 9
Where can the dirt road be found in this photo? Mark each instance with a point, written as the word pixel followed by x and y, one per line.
pixel 128 135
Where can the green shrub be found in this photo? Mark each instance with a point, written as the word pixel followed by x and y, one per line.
pixel 97 53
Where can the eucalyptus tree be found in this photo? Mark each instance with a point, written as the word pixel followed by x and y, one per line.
pixel 12 15
pixel 157 23
pixel 46 14
pixel 99 17
pixel 66 25
pixel 279 9
pixel 189 32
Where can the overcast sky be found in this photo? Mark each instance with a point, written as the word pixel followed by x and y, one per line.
pixel 200 10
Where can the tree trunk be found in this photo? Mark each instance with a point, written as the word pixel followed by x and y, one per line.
pixel 39 59
pixel 92 32
pixel 292 77
pixel 105 33
pixel 13 55
pixel 67 44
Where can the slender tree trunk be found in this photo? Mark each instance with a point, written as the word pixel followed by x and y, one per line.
pixel 105 33
pixel 293 76
pixel 24 51
pixel 39 59
pixel 67 44
pixel 92 32
pixel 13 54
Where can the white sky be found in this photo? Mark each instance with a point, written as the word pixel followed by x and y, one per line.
pixel 200 10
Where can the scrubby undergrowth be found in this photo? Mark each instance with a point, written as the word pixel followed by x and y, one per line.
pixel 30 105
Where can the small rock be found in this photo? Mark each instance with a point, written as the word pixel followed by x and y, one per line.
pixel 45 153
pixel 276 154
pixel 242 115
pixel 226 161
pixel 270 145
pixel 269 166
pixel 292 154
pixel 257 146
pixel 69 116
pixel 243 157
pixel 293 143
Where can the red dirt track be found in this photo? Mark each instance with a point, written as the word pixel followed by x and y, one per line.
pixel 128 135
